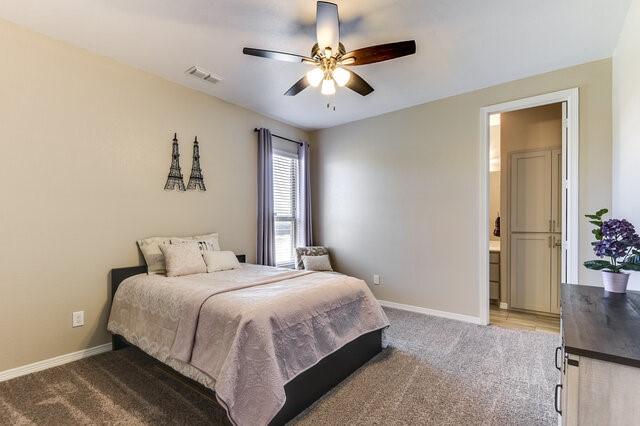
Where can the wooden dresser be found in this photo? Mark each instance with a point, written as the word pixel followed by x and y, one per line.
pixel 599 358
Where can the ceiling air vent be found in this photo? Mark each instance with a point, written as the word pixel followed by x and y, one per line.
pixel 202 74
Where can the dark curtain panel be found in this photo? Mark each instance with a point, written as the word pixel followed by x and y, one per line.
pixel 266 236
pixel 305 189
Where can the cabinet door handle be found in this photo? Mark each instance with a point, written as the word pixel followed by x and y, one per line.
pixel 559 348
pixel 556 399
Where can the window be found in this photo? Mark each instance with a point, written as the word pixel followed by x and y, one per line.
pixel 285 207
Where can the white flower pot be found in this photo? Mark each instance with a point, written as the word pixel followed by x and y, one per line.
pixel 615 282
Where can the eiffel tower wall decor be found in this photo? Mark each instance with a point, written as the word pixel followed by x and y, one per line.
pixel 174 180
pixel 196 180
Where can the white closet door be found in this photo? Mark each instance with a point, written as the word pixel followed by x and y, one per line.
pixel 556 190
pixel 530 271
pixel 530 195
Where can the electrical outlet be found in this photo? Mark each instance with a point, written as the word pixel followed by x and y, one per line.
pixel 376 279
pixel 77 319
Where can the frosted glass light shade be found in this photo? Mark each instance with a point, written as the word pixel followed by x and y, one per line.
pixel 315 76
pixel 328 87
pixel 341 76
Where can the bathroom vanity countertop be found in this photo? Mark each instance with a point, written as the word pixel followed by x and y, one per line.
pixel 494 245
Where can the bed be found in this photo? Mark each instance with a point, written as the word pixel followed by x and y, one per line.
pixel 265 342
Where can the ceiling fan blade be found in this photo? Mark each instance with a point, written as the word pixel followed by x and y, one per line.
pixel 379 53
pixel 327 26
pixel 278 56
pixel 357 84
pixel 298 87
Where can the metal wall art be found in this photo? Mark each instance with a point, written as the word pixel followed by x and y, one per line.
pixel 196 180
pixel 174 180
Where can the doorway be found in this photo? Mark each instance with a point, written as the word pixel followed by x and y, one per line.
pixel 531 247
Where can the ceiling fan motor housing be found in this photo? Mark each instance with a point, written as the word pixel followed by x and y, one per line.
pixel 316 54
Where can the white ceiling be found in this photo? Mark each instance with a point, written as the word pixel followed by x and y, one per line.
pixel 463 45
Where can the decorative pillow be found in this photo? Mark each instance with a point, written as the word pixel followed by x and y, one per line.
pixel 309 251
pixel 183 259
pixel 210 244
pixel 212 238
pixel 150 248
pixel 317 263
pixel 220 260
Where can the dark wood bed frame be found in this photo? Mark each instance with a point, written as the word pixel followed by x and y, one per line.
pixel 304 389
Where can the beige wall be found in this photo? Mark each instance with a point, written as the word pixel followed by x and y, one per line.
pixel 86 145
pixel 397 194
pixel 626 125
pixel 523 130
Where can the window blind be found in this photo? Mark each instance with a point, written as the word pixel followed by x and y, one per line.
pixel 285 206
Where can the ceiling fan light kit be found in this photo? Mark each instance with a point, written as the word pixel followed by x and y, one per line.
pixel 328 87
pixel 329 57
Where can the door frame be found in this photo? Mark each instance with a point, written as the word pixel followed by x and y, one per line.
pixel 570 166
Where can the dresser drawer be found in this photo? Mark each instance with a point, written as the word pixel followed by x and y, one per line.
pixel 494 257
pixel 494 272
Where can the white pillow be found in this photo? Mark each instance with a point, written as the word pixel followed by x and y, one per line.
pixel 317 263
pixel 183 259
pixel 153 257
pixel 150 248
pixel 212 238
pixel 220 260
pixel 210 244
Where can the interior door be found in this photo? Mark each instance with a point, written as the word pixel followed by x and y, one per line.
pixel 556 190
pixel 557 194
pixel 564 197
pixel 556 268
pixel 530 271
pixel 530 195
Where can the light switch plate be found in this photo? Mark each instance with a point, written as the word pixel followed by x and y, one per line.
pixel 77 319
pixel 376 279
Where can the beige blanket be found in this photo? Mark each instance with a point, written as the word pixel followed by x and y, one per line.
pixel 245 333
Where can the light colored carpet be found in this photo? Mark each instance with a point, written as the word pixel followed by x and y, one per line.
pixel 435 371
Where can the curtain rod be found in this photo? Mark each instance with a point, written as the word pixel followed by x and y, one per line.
pixel 280 137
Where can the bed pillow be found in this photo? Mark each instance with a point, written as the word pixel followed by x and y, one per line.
pixel 309 251
pixel 205 243
pixel 220 260
pixel 150 248
pixel 317 263
pixel 153 257
pixel 183 259
pixel 212 238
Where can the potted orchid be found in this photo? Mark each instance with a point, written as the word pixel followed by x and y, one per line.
pixel 617 240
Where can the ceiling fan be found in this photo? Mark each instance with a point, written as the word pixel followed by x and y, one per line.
pixel 329 57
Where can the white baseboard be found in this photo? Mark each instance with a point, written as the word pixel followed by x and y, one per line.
pixel 504 305
pixel 53 362
pixel 434 312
